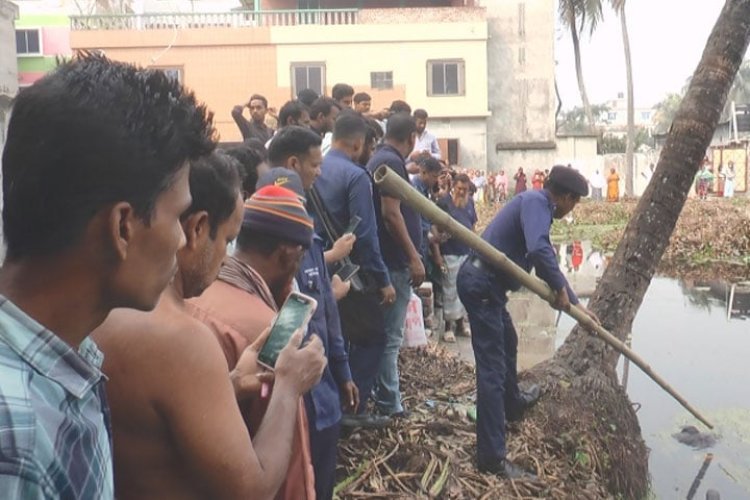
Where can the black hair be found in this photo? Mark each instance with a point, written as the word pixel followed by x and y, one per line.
pixel 91 133
pixel 362 97
pixel 322 105
pixel 214 186
pixel 293 110
pixel 291 141
pixel 431 165
pixel 341 90
pixel 256 144
pixel 249 159
pixel 349 125
pixel 399 106
pixel 420 114
pixel 462 178
pixel 307 96
pixel 258 97
pixel 400 127
pixel 374 130
pixel 265 244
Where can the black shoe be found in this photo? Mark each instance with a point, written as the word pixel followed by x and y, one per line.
pixel 506 469
pixel 527 399
pixel 365 420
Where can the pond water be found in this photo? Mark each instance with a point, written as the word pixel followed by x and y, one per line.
pixel 687 333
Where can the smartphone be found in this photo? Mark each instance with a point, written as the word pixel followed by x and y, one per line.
pixel 293 315
pixel 347 270
pixel 353 223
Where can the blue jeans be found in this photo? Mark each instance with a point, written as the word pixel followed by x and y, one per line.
pixel 495 344
pixel 387 392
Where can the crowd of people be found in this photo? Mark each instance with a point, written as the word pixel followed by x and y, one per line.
pixel 130 339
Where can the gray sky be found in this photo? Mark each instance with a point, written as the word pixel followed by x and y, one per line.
pixel 667 38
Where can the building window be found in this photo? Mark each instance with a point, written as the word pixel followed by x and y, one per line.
pixel 381 80
pixel 645 115
pixel 28 42
pixel 445 78
pixel 308 76
pixel 172 73
pixel 612 116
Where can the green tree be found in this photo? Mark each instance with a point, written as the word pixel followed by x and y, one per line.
pixel 577 15
pixel 665 111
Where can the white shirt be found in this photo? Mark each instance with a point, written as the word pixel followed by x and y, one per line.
pixel 597 181
pixel 428 142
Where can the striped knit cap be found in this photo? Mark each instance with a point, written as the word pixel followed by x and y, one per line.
pixel 277 211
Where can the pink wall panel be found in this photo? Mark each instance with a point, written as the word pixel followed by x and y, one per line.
pixel 56 40
pixel 29 77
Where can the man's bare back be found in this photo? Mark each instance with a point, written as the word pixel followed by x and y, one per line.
pixel 156 362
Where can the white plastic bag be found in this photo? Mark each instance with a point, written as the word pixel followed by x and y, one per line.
pixel 414 333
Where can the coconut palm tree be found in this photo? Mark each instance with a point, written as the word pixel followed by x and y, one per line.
pixel 577 15
pixel 619 8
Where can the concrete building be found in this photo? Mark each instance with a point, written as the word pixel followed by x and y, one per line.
pixel 483 69
pixel 8 80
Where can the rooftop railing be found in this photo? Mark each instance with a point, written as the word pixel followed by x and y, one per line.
pixel 234 19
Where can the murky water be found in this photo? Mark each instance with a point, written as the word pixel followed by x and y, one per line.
pixel 690 337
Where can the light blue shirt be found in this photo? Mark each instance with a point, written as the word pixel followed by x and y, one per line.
pixel 55 439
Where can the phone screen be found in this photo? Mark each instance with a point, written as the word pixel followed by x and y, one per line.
pixel 347 271
pixel 294 314
pixel 353 223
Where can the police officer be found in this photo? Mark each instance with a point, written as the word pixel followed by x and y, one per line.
pixel 521 231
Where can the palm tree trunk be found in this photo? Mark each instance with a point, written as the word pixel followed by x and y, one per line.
pixel 579 74
pixel 621 289
pixel 583 398
pixel 630 145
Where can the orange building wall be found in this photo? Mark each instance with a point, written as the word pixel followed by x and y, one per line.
pixel 223 67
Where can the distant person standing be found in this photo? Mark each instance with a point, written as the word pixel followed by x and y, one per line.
pixel 256 128
pixel 501 183
pixel 613 186
pixel 520 179
pixel 537 180
pixel 729 182
pixel 454 252
pixel 597 182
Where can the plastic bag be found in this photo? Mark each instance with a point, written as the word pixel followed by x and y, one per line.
pixel 414 333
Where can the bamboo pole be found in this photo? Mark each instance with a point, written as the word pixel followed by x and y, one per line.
pixel 394 185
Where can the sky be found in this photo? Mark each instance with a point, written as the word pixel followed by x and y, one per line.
pixel 667 38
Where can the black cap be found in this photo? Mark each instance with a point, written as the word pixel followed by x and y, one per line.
pixel 569 179
pixel 284 177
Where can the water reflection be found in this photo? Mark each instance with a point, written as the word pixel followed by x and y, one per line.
pixel 693 333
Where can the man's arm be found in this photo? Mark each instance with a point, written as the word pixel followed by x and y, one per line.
pixel 536 222
pixel 367 246
pixel 241 121
pixel 394 223
pixel 435 149
pixel 201 412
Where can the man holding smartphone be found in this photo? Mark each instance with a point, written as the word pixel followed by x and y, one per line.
pixel 336 388
pixel 177 425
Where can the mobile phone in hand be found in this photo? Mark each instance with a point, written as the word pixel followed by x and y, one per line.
pixel 353 223
pixel 347 270
pixel 293 315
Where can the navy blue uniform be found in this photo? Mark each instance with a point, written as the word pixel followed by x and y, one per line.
pixel 322 403
pixel 520 231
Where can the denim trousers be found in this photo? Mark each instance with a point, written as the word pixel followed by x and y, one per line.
pixel 387 392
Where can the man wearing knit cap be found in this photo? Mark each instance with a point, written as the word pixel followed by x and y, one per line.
pixel 336 389
pixel 251 287
pixel 521 231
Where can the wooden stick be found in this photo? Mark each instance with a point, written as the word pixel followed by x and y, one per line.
pixel 394 185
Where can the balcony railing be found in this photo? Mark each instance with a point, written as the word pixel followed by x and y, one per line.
pixel 235 19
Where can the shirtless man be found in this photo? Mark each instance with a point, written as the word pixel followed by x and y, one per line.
pixel 178 431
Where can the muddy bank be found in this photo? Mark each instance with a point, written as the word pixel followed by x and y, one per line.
pixel 431 455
